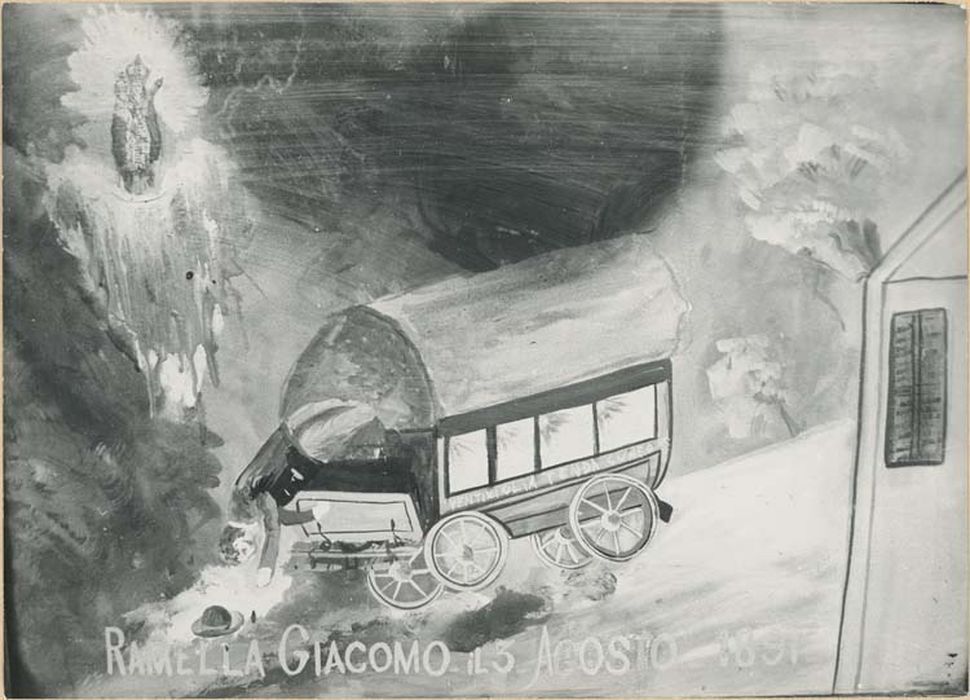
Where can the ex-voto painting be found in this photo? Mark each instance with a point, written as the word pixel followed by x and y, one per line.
pixel 463 349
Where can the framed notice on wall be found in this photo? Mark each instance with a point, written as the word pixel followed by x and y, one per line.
pixel 916 413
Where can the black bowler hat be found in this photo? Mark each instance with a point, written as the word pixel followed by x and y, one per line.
pixel 217 621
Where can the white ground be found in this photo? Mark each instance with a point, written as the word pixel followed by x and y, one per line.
pixel 746 581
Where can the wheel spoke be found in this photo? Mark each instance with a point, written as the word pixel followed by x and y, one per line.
pixel 465 566
pixel 561 547
pixel 455 545
pixel 418 588
pixel 606 492
pixel 397 590
pixel 476 549
pixel 594 505
pixel 616 543
pixel 623 498
pixel 630 529
pixel 481 563
pixel 483 535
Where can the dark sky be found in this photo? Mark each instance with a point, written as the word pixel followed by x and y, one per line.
pixel 509 131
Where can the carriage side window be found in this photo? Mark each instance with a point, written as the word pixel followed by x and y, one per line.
pixel 916 405
pixel 467 461
pixel 566 436
pixel 515 449
pixel 627 418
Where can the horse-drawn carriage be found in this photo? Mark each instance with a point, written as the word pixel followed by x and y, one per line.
pixel 534 401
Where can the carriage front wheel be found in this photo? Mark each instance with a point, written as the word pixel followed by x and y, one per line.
pixel 466 551
pixel 406 583
pixel 613 516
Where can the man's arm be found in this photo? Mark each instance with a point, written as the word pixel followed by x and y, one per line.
pixel 271 542
pixel 273 517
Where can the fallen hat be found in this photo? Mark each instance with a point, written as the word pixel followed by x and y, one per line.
pixel 217 621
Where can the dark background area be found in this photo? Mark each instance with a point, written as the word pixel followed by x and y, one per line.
pixel 510 132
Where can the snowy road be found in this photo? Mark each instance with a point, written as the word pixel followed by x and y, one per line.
pixel 739 594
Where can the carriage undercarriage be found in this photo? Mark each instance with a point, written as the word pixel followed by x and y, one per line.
pixel 610 516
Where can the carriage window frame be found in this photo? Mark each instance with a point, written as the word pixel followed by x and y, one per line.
pixel 538 465
pixel 591 409
pixel 488 466
pixel 910 399
pixel 654 425
pixel 533 437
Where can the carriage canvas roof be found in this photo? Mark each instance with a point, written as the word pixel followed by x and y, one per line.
pixel 535 326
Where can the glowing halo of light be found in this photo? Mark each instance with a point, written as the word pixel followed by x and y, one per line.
pixel 134 250
pixel 112 38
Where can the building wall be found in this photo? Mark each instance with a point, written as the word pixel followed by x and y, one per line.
pixel 914 625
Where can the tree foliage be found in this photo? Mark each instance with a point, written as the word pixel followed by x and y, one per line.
pixel 808 153
pixel 104 506
pixel 749 387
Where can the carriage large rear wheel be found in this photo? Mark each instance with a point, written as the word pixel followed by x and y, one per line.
pixel 613 516
pixel 405 583
pixel 466 551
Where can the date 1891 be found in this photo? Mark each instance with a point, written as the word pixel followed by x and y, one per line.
pixel 741 648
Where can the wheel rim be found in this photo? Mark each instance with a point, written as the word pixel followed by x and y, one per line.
pixel 558 547
pixel 613 516
pixel 405 584
pixel 466 550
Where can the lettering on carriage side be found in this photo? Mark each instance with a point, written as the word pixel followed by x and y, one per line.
pixel 551 476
